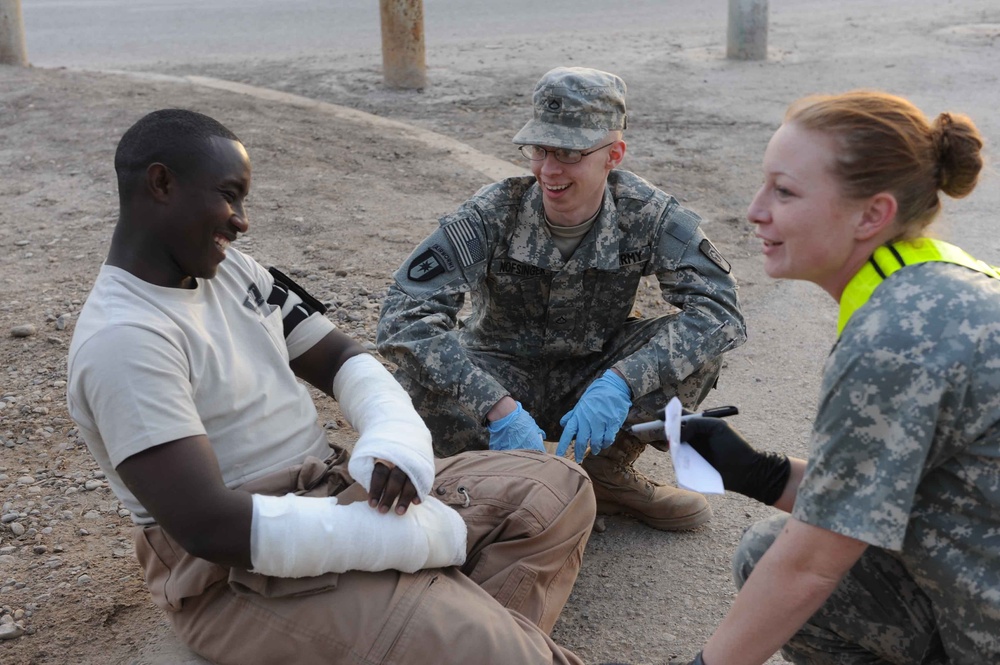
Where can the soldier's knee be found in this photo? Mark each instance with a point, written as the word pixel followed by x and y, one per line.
pixel 756 540
pixel 693 390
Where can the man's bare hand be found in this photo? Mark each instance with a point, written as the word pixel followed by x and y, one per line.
pixel 391 485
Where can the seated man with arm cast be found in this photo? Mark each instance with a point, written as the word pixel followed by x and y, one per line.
pixel 261 544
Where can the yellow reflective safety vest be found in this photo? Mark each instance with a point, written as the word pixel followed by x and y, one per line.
pixel 889 258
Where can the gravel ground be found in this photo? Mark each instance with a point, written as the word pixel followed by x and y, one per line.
pixel 340 204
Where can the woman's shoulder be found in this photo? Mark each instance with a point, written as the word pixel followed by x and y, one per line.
pixel 924 314
pixel 929 298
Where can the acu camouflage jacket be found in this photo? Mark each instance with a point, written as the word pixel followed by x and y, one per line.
pixel 527 301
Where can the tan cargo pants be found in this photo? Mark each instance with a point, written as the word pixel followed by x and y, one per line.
pixel 529 516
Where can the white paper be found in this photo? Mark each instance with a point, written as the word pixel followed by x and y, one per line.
pixel 692 470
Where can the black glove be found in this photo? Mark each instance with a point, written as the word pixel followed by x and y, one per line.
pixel 760 476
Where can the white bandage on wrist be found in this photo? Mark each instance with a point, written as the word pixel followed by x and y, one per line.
pixel 390 428
pixel 296 536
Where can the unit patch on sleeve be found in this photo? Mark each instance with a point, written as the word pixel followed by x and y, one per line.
pixel 715 256
pixel 427 265
pixel 467 244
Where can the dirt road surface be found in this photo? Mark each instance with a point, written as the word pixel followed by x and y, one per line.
pixel 341 199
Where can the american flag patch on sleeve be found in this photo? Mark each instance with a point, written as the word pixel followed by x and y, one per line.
pixel 466 243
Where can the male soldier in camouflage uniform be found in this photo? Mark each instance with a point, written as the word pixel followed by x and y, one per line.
pixel 553 262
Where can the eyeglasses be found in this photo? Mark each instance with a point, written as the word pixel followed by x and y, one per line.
pixel 537 153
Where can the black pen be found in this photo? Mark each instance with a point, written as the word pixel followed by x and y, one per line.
pixel 717 412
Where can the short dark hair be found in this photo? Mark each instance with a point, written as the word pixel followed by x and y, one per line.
pixel 173 137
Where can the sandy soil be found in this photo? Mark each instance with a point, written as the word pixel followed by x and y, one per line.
pixel 340 204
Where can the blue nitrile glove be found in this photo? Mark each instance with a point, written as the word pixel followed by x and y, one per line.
pixel 597 417
pixel 516 431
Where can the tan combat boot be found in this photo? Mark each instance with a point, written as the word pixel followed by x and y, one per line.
pixel 621 489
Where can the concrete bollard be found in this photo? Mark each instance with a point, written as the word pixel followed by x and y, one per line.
pixel 747 33
pixel 12 47
pixel 403 59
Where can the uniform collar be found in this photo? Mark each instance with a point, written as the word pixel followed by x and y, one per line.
pixel 531 243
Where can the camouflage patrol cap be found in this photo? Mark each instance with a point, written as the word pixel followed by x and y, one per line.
pixel 574 107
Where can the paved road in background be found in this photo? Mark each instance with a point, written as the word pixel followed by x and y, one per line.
pixel 136 33
pixel 127 33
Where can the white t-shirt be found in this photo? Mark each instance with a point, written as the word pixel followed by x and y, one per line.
pixel 150 364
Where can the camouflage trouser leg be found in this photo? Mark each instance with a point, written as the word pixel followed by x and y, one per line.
pixel 548 389
pixel 569 378
pixel 453 430
pixel 876 615
pixel 692 391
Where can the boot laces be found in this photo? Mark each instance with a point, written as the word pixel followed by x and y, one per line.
pixel 627 470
